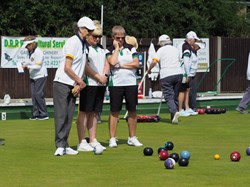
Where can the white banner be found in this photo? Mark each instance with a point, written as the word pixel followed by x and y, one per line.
pixel 12 53
pixel 203 54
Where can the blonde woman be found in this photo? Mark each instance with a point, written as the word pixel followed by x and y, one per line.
pixel 132 41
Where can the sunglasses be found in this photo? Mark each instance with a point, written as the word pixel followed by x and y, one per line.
pixel 119 38
pixel 97 36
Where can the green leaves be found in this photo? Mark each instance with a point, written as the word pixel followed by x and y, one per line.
pixel 143 19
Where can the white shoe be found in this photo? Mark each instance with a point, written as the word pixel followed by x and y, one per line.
pixel 183 113
pixel 134 142
pixel 241 110
pixel 70 151
pixel 112 142
pixel 33 118
pixel 176 117
pixel 191 112
pixel 84 146
pixel 43 118
pixel 96 143
pixel 60 151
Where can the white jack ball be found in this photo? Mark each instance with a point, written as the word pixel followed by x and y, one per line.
pixel 98 150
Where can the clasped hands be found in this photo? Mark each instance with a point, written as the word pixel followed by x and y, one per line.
pixel 102 79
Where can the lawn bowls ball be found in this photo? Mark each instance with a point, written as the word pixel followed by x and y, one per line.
pixel 208 111
pixel 174 156
pixel 248 151
pixel 183 162
pixel 216 157
pixel 163 155
pixel 169 163
pixel 169 145
pixel 235 156
pixel 98 150
pixel 202 111
pixel 223 110
pixel 160 149
pixel 148 151
pixel 185 154
pixel 216 111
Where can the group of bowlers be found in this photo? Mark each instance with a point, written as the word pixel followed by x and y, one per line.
pixel 87 68
pixel 178 67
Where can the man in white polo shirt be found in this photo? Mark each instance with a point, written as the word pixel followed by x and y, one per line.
pixel 67 84
pixel 170 74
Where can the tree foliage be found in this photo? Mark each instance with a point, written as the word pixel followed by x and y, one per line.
pixel 143 19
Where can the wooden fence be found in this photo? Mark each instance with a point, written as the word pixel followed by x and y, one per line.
pixel 18 85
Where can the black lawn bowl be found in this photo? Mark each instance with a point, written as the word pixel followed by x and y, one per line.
pixel 169 145
pixel 174 156
pixel 183 162
pixel 148 151
pixel 160 149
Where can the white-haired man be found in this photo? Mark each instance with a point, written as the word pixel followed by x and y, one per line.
pixel 67 84
pixel 170 73
pixel 91 97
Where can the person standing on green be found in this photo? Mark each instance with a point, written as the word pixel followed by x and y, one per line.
pixel 35 63
pixel 242 108
pixel 123 60
pixel 67 84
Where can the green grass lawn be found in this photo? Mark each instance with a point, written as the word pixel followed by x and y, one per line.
pixel 27 158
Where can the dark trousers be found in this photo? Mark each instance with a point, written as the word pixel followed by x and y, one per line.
pixel 64 107
pixel 170 89
pixel 193 93
pixel 246 98
pixel 37 91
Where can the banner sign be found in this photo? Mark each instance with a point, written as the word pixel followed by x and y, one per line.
pixel 203 54
pixel 12 52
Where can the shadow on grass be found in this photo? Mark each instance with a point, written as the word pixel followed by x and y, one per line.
pixel 165 120
pixel 2 141
pixel 119 142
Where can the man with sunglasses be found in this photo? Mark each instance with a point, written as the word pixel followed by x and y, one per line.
pixel 91 97
pixel 124 62
pixel 67 84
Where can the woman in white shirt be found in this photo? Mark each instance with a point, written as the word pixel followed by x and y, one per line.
pixel 38 77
